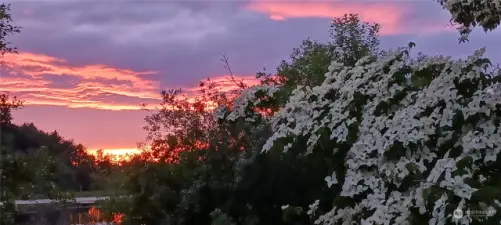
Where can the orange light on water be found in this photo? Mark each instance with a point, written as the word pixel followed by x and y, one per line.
pixel 96 216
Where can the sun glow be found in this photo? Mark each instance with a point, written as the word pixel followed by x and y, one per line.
pixel 115 154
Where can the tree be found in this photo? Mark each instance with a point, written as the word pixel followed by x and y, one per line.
pixel 351 40
pixel 8 104
pixel 186 168
pixel 23 175
pixel 469 14
pixel 75 166
pixel 35 164
pixel 6 29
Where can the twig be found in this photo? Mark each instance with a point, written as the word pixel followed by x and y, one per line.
pixel 241 85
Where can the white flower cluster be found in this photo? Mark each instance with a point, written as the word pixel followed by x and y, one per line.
pixel 392 131
pixel 243 106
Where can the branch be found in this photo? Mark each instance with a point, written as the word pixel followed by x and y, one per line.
pixel 241 85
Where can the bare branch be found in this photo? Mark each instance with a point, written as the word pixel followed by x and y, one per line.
pixel 240 84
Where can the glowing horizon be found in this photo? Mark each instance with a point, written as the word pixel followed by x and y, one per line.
pixel 116 154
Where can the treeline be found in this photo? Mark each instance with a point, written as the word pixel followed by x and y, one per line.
pixel 73 165
pixel 74 169
pixel 36 164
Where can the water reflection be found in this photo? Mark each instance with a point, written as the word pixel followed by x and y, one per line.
pixel 67 216
pixel 94 216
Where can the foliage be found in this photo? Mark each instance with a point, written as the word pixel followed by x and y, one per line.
pixel 19 180
pixel 6 29
pixel 74 166
pixel 351 40
pixel 435 130
pixel 186 168
pixel 7 105
pixel 472 13
pixel 17 177
pixel 36 164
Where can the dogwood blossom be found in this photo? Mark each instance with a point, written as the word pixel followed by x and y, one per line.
pixel 408 128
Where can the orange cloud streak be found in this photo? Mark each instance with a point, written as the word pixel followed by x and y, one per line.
pixel 37 65
pixel 389 15
pixel 23 76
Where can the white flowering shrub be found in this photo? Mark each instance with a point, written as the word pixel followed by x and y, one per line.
pixel 419 138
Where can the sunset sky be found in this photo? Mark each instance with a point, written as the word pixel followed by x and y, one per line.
pixel 85 66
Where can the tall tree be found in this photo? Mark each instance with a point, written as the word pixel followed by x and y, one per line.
pixel 350 40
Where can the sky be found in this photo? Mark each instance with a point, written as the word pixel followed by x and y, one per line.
pixel 85 66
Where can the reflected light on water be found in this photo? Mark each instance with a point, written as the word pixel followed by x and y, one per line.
pixel 94 216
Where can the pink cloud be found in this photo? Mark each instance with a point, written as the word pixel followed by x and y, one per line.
pixel 24 78
pixel 390 15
